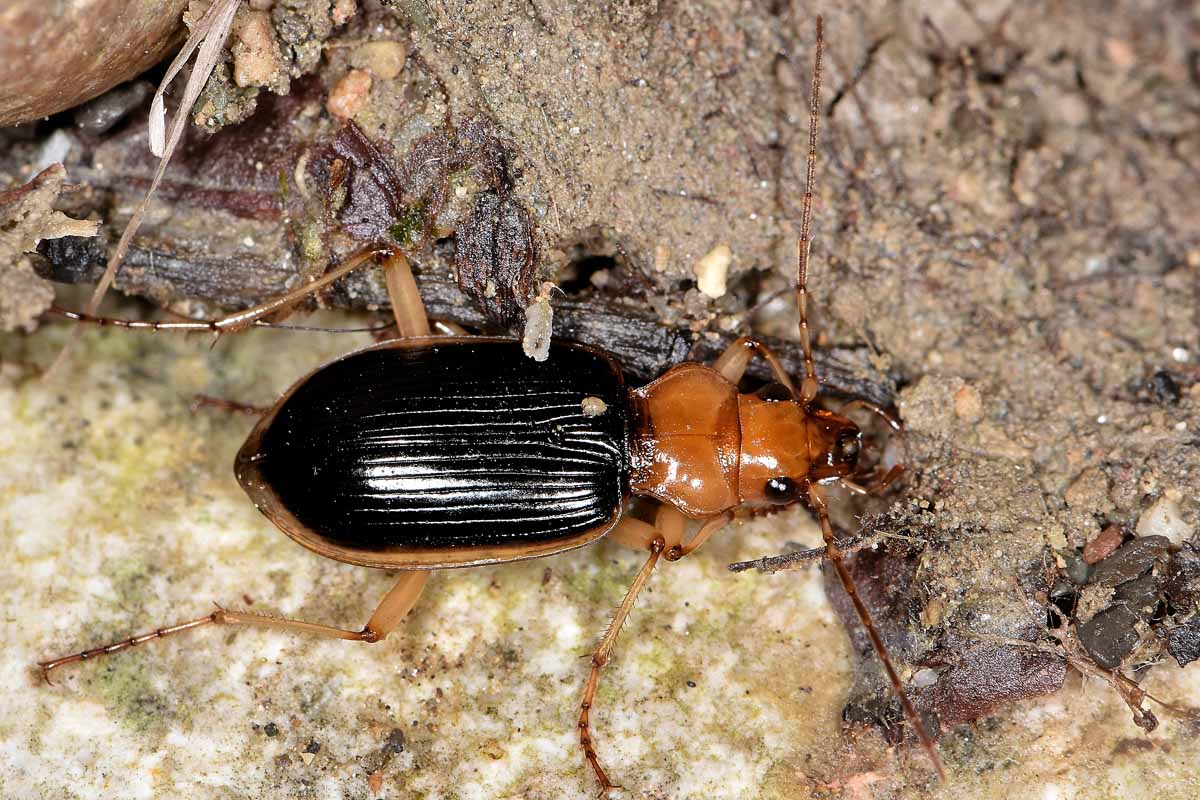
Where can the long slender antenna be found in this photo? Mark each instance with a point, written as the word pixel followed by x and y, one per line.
pixel 811 385
pixel 808 392
pixel 250 317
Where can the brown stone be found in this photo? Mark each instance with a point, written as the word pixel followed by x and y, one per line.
pixel 1104 544
pixel 56 55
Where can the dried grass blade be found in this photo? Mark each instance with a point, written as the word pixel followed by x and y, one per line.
pixel 208 37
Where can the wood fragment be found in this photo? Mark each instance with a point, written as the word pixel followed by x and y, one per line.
pixel 631 330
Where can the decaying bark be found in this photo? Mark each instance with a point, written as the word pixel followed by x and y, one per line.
pixel 643 344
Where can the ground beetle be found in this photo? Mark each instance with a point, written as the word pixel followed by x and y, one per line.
pixel 430 452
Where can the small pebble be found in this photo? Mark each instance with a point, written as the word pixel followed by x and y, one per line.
pixel 1110 636
pixel 271 729
pixel 1102 546
pixel 256 59
pixel 54 150
pixel 1165 387
pixel 350 94
pixel 968 404
pixel 1076 569
pixel 1183 642
pixel 384 59
pixel 343 10
pixel 1164 519
pixel 98 115
pixel 1131 560
pixel 712 269
pixel 924 678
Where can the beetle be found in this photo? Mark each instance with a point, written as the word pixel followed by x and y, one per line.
pixel 444 451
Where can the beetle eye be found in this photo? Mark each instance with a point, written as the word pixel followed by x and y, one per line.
pixel 780 490
pixel 774 392
pixel 848 446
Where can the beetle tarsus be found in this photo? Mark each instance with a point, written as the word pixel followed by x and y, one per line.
pixel 601 656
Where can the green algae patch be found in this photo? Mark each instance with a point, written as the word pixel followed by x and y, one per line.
pixel 134 692
pixel 602 583
pixel 410 222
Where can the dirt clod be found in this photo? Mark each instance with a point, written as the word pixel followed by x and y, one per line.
pixel 256 59
pixel 27 217
pixel 495 256
pixel 1183 642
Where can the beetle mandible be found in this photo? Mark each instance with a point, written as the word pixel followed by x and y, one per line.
pixel 432 452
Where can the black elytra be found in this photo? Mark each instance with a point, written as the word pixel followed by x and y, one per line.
pixel 439 444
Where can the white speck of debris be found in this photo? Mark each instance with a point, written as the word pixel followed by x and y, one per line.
pixel 924 677
pixel 248 241
pixel 574 130
pixel 593 406
pixel 1103 418
pixel 54 151
pixel 539 317
pixel 712 269
pixel 299 176
pixel 1179 354
pixel 1164 519
pixel 1181 426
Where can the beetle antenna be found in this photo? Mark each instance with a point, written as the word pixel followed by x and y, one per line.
pixel 811 385
pixel 808 392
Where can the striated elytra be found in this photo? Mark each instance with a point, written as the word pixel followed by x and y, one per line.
pixel 444 452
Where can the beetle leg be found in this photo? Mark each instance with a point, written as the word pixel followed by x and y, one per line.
pixel 816 497
pixel 710 526
pixel 407 306
pixel 894 423
pixel 247 318
pixel 878 411
pixel 395 605
pixel 878 483
pixel 634 533
pixel 669 524
pixel 733 362
pixel 231 406
pixel 603 652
